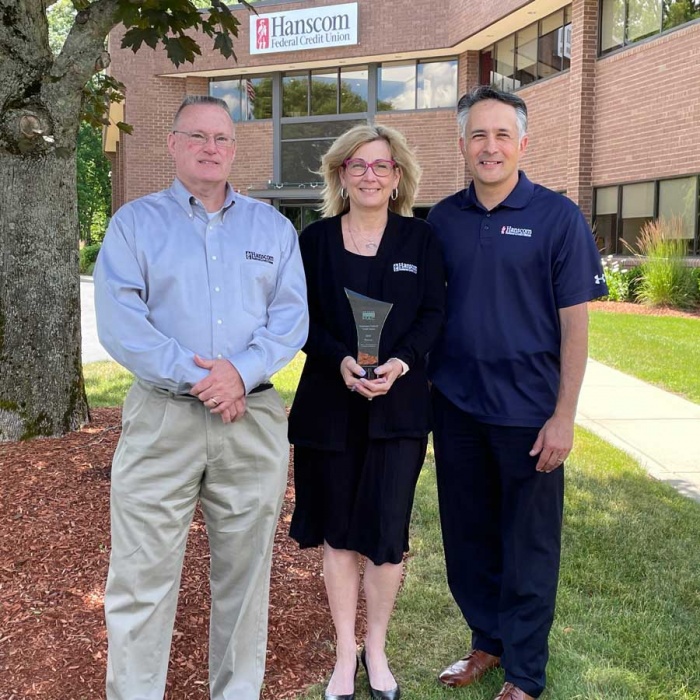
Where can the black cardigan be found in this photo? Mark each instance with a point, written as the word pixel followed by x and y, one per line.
pixel 407 271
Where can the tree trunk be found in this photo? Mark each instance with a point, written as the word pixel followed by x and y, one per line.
pixel 42 390
pixel 41 381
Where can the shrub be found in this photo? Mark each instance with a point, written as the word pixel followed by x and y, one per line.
pixel 623 283
pixel 665 278
pixel 617 280
pixel 88 256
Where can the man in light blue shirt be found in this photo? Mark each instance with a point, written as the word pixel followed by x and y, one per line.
pixel 200 292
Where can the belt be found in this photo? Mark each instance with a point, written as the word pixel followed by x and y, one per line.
pixel 260 387
pixel 256 390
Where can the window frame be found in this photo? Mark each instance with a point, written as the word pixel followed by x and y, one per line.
pixel 635 42
pixel 491 49
pixel 240 78
pixel 415 63
pixel 694 247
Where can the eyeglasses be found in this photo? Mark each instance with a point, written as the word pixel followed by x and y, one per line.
pixel 358 167
pixel 197 138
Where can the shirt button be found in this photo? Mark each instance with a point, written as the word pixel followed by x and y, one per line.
pixel 217 289
pixel 219 321
pixel 213 257
pixel 488 216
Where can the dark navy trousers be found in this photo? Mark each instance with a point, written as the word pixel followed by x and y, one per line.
pixel 501 527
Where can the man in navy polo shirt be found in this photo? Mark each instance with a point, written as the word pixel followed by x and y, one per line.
pixel 521 266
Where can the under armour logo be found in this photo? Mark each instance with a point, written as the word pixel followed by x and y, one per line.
pixel 599 279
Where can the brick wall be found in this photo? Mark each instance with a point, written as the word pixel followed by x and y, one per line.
pixel 581 98
pixel 545 159
pixel 433 135
pixel 647 110
pixel 252 167
pixel 384 27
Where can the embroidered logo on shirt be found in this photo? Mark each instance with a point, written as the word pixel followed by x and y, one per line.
pixel 405 267
pixel 250 255
pixel 599 279
pixel 512 231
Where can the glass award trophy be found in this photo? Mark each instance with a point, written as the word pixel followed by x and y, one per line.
pixel 370 315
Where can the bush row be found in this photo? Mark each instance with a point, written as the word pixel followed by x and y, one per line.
pixel 88 256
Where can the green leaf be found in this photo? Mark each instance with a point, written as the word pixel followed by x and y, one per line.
pixel 135 36
pixel 224 45
pixel 181 49
pixel 126 128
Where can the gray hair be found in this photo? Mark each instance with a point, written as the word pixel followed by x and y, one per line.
pixel 346 144
pixel 192 100
pixel 486 92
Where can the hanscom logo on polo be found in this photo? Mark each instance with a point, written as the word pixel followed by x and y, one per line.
pixel 317 28
pixel 513 231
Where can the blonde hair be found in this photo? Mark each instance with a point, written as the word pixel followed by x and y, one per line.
pixel 346 144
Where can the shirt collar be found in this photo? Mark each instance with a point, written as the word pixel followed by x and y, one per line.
pixel 518 198
pixel 187 200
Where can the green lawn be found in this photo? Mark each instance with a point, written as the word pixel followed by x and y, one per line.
pixel 661 350
pixel 628 617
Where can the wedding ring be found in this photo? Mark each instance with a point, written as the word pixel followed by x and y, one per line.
pixel 214 400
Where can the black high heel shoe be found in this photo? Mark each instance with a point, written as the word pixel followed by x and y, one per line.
pixel 351 696
pixel 393 694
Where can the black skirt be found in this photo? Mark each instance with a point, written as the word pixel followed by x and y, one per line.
pixel 360 499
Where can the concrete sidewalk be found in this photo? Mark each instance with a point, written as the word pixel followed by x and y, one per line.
pixel 659 429
pixel 92 351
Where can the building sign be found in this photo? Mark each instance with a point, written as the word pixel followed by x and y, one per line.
pixel 317 28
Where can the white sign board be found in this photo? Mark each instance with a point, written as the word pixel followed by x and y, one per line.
pixel 297 30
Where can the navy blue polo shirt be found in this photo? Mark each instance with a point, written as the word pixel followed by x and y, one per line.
pixel 509 270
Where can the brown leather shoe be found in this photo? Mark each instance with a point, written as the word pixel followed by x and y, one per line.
pixel 512 692
pixel 469 669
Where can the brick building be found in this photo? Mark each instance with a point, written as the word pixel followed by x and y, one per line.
pixel 612 88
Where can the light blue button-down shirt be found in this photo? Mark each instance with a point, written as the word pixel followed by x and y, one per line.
pixel 171 283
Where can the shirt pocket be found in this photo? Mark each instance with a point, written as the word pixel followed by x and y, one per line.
pixel 257 287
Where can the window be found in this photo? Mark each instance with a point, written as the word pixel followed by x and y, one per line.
pixel 537 51
pixel 505 63
pixel 353 90
pixel 303 145
pixel 437 84
pixel 678 198
pixel 247 98
pixel 624 22
pixel 327 91
pixel 301 214
pixel 526 55
pixel 397 86
pixel 605 228
pixel 621 211
pixel 417 85
pixel 637 209
pixel 324 92
pixel 677 13
pixel 295 94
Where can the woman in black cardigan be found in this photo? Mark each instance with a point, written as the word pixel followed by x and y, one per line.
pixel 360 442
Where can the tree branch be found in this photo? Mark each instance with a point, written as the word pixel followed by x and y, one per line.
pixel 82 54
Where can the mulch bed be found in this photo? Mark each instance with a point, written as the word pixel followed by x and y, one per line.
pixel 626 307
pixel 54 552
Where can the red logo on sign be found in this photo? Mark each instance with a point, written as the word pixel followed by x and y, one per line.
pixel 262 38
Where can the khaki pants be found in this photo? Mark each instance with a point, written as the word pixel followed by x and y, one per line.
pixel 171 454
